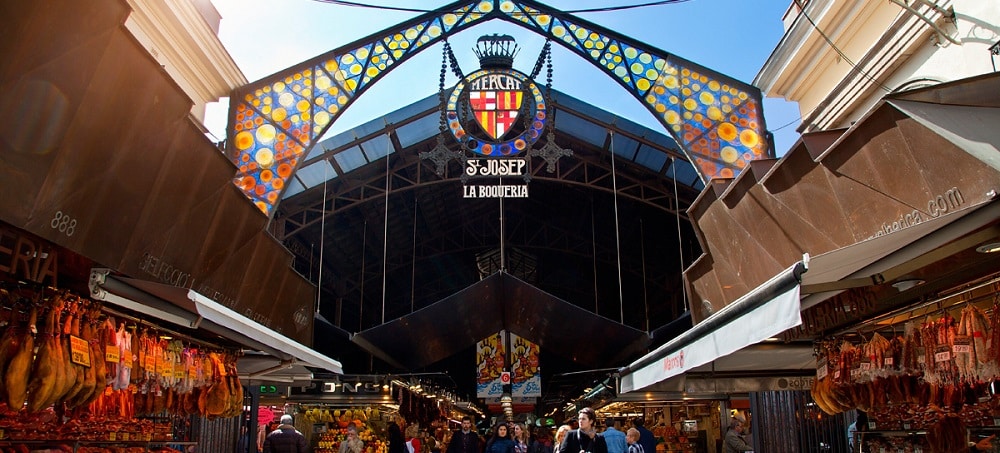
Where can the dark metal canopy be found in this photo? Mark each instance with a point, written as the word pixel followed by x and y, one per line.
pixel 500 302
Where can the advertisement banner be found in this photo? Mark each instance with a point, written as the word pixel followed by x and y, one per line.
pixel 524 377
pixel 527 379
pixel 490 365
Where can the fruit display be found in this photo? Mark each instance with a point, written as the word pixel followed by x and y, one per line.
pixel 337 422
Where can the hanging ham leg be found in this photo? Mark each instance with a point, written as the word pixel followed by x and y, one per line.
pixel 10 338
pixel 98 348
pixel 47 365
pixel 79 372
pixel 90 378
pixel 16 375
pixel 69 369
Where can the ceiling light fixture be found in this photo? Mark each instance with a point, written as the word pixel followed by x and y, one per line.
pixel 989 247
pixel 907 283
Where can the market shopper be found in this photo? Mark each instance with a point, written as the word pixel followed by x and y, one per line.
pixel 285 439
pixel 646 437
pixel 632 440
pixel 353 443
pixel 560 437
pixel 395 437
pixel 412 439
pixel 500 441
pixel 464 440
pixel 614 438
pixel 734 442
pixel 585 438
pixel 543 442
pixel 521 442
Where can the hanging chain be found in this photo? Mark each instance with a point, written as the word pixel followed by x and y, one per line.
pixel 444 65
pixel 454 62
pixel 541 59
pixel 549 114
pixel 543 56
pixel 440 154
pixel 550 151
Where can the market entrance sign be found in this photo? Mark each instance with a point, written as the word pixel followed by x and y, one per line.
pixel 496 115
pixel 717 121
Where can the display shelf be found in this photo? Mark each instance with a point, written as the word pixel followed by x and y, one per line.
pixel 891 441
pixel 684 442
pixel 76 444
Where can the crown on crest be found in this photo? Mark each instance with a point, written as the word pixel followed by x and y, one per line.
pixel 496 51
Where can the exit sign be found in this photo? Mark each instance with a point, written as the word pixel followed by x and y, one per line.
pixel 273 389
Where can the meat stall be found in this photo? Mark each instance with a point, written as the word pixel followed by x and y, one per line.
pixel 924 378
pixel 77 378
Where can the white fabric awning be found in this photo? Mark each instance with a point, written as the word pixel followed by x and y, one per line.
pixel 768 310
pixel 246 329
pixel 188 308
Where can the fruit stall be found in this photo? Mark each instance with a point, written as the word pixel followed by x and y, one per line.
pixel 336 423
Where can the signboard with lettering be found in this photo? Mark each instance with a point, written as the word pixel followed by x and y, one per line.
pixel 28 257
pixel 497 114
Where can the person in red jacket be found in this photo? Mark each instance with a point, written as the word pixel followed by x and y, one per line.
pixel 412 441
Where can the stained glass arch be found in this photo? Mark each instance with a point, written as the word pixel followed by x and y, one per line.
pixel 274 122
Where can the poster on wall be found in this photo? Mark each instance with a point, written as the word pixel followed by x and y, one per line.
pixel 527 380
pixel 490 365
pixel 524 377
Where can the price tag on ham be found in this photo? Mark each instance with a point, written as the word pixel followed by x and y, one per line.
pixel 79 351
pixel 942 356
pixel 111 354
pixel 821 371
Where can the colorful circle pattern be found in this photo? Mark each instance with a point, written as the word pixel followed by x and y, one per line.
pixel 504 148
pixel 718 123
pixel 278 119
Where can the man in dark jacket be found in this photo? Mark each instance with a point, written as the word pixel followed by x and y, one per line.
pixel 465 440
pixel 584 439
pixel 646 437
pixel 285 439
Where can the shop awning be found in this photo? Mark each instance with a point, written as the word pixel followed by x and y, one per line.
pixel 759 367
pixel 768 310
pixel 888 257
pixel 188 308
pixel 260 367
